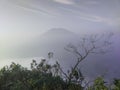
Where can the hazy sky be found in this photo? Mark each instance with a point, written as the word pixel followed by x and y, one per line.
pixel 22 20
pixel 33 16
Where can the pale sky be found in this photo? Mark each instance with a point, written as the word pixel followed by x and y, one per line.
pixel 22 20
pixel 33 16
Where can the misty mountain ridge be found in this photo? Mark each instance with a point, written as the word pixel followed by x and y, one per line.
pixel 58 35
pixel 53 40
pixel 58 31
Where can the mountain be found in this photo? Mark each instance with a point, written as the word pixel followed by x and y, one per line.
pixel 54 40
pixel 58 35
pixel 58 31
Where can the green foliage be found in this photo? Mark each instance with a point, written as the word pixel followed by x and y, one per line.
pixel 117 84
pixel 98 84
pixel 12 77
pixel 43 76
pixel 74 86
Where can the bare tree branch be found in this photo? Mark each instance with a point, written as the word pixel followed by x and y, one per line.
pixel 94 44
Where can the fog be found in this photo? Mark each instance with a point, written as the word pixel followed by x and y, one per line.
pixel 29 29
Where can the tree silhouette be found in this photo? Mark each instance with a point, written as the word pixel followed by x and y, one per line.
pixel 93 44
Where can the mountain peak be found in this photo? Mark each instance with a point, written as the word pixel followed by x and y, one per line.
pixel 58 35
pixel 59 31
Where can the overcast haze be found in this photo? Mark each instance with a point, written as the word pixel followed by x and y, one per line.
pixel 24 21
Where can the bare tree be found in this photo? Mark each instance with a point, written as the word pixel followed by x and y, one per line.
pixel 93 44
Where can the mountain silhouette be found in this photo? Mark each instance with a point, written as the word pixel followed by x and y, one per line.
pixel 54 40
pixel 58 31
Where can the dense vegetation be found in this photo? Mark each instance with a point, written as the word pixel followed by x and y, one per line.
pixel 43 76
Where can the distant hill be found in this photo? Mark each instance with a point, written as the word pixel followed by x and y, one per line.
pixel 54 40
pixel 58 31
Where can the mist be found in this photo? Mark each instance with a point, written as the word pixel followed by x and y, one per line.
pixel 29 29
